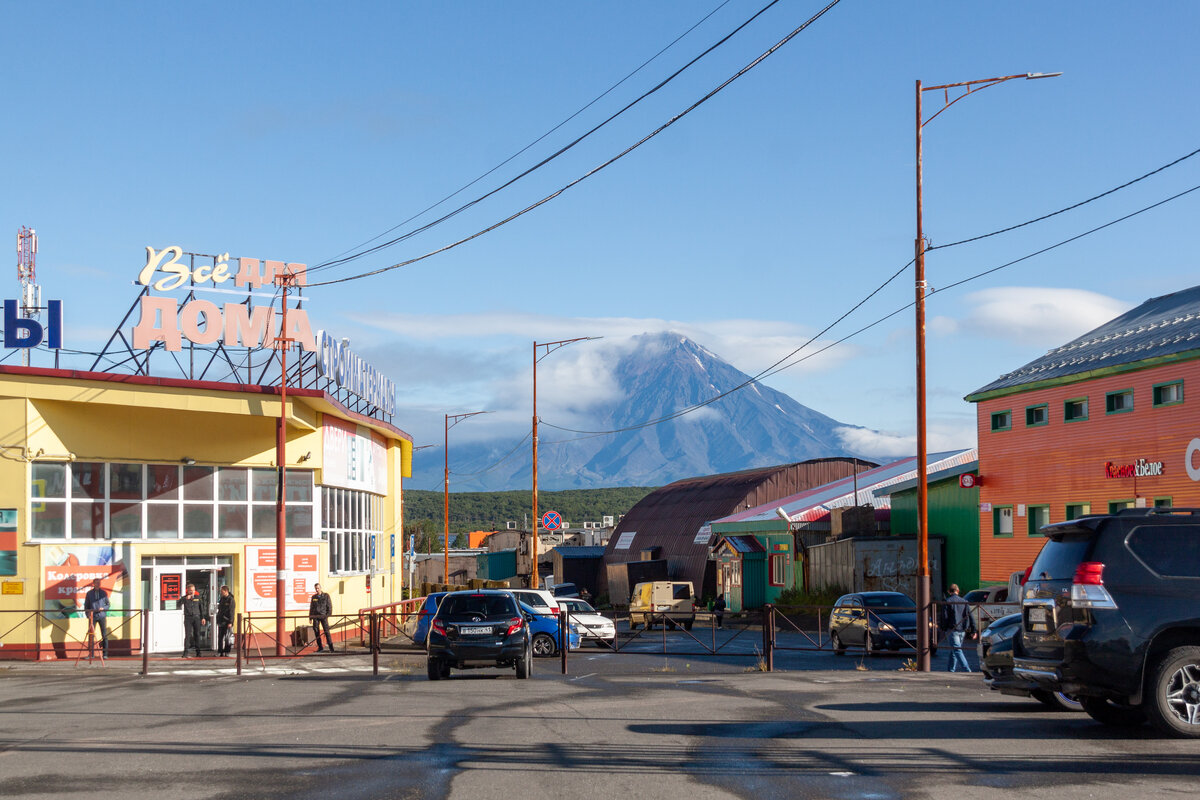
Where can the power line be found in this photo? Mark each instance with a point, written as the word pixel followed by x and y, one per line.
pixel 464 187
pixel 596 169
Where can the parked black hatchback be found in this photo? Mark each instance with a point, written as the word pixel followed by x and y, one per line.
pixel 1111 614
pixel 478 629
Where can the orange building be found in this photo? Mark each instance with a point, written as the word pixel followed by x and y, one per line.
pixel 1099 424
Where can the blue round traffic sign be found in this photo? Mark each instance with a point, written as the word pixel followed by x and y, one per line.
pixel 551 521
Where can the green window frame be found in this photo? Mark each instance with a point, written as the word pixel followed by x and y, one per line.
pixel 1002 420
pixel 1075 409
pixel 1077 510
pixel 1036 516
pixel 998 515
pixel 1036 416
pixel 1168 394
pixel 1116 505
pixel 1162 502
pixel 1119 402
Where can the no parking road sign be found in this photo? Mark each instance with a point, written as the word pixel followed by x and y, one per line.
pixel 551 521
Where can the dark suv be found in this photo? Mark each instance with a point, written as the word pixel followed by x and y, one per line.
pixel 478 629
pixel 1111 614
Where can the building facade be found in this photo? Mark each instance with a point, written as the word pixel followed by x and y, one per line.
pixel 1102 423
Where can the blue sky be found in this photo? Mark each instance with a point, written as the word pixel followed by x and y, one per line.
pixel 297 131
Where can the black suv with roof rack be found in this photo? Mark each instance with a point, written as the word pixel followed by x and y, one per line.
pixel 1111 614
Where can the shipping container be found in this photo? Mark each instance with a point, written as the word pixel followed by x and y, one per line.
pixel 875 563
pixel 622 577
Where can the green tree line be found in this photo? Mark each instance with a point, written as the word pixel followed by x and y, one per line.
pixel 478 511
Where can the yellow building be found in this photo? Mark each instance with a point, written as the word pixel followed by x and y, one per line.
pixel 152 483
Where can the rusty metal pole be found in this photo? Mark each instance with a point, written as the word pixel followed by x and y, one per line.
pixel 564 635
pixel 375 643
pixel 145 642
pixel 533 546
pixel 923 582
pixel 446 506
pixel 281 573
pixel 237 643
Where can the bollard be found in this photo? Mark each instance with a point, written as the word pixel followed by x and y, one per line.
pixel 564 636
pixel 375 643
pixel 237 643
pixel 145 643
pixel 770 628
pixel 766 636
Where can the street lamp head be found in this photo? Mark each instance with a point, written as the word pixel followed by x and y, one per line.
pixel 1029 76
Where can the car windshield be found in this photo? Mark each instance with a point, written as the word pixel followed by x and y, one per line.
pixel 1060 557
pixel 488 605
pixel 578 606
pixel 896 600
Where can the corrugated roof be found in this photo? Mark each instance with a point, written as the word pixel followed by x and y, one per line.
pixel 814 504
pixel 675 518
pixel 1161 326
pixel 580 552
pixel 933 477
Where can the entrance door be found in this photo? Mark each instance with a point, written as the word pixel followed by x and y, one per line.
pixel 166 610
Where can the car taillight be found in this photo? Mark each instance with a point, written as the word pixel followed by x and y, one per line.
pixel 439 626
pixel 553 611
pixel 1087 587
pixel 514 625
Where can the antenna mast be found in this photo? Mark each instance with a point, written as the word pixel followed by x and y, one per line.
pixel 31 293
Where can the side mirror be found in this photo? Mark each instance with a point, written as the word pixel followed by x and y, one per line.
pixel 528 617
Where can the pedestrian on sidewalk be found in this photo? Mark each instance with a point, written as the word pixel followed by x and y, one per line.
pixel 319 610
pixel 719 609
pixel 956 620
pixel 95 605
pixel 226 610
pixel 194 621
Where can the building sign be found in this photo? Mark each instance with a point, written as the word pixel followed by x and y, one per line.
pixel 348 371
pixel 169 588
pixel 236 324
pixel 1138 469
pixel 70 570
pixel 968 481
pixel 24 332
pixel 355 458
pixel 301 575
pixel 703 534
pixel 625 541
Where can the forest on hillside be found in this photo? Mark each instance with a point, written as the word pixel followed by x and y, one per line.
pixel 475 511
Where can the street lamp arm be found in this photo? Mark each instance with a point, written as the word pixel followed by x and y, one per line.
pixel 971 87
pixel 550 347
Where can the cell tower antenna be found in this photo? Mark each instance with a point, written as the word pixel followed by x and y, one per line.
pixel 31 293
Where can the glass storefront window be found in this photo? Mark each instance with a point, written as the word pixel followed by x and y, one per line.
pixel 197 520
pixel 163 482
pixel 49 520
pixel 125 481
pixel 233 522
pixel 232 485
pixel 49 480
pixel 265 484
pixel 263 517
pixel 87 480
pixel 87 520
pixel 162 521
pixel 197 483
pixel 125 520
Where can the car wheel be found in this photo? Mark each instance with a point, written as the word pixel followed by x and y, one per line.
pixel 1058 701
pixel 523 665
pixel 836 641
pixel 434 668
pixel 543 645
pixel 687 626
pixel 1107 712
pixel 1173 693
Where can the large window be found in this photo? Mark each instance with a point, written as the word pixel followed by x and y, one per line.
pixel 95 500
pixel 349 519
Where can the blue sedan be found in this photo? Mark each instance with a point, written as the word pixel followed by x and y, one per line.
pixel 544 630
pixel 425 616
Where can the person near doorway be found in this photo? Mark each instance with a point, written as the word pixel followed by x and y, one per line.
pixel 957 622
pixel 319 609
pixel 719 609
pixel 226 610
pixel 194 620
pixel 95 605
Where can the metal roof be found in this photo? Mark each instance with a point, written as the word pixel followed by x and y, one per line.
pixel 1161 326
pixel 814 504
pixel 744 544
pixel 588 551
pixel 933 477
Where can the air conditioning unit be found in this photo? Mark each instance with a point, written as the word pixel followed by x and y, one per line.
pixel 510 525
pixel 608 522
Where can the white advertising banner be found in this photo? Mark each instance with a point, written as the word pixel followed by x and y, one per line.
pixel 301 570
pixel 355 458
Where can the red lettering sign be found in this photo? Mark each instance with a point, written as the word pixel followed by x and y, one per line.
pixel 169 586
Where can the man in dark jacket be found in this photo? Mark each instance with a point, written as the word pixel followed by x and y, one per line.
pixel 226 609
pixel 194 620
pixel 95 605
pixel 957 622
pixel 319 609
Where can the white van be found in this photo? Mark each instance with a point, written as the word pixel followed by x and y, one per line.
pixel 672 601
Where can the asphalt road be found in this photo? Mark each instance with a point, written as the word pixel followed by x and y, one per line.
pixel 619 725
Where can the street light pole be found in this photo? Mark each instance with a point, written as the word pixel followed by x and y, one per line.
pixel 548 348
pixel 457 418
pixel 924 589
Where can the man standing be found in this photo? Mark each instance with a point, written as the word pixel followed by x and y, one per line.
pixel 194 620
pixel 319 609
pixel 958 624
pixel 226 608
pixel 95 605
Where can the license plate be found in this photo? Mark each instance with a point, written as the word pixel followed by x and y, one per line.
pixel 476 631
pixel 1037 615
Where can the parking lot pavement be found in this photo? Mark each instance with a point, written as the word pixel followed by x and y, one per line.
pixel 669 726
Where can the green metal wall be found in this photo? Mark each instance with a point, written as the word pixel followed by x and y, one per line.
pixel 954 514
pixel 754 580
